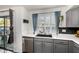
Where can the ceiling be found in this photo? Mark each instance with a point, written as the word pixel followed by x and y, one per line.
pixel 36 7
pixel 31 7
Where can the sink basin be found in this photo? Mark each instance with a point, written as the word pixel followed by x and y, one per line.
pixel 42 35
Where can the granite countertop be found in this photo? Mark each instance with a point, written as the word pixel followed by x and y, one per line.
pixel 59 36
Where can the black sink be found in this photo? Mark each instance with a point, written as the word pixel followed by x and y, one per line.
pixel 42 35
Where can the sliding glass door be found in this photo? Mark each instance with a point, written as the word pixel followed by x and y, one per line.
pixel 5 45
pixel 2 34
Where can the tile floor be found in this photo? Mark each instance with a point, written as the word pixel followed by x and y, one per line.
pixel 5 51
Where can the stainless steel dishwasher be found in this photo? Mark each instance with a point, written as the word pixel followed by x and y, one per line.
pixel 27 45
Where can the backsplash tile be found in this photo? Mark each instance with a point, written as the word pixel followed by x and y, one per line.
pixel 68 30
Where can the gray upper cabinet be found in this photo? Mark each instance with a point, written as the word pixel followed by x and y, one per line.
pixel 72 18
pixel 60 46
pixel 68 19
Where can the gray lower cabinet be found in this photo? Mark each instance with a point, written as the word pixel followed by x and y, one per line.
pixel 71 44
pixel 76 48
pixel 27 45
pixel 48 47
pixel 60 46
pixel 43 45
pixel 38 46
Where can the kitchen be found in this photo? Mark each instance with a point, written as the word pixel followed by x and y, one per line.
pixel 45 28
pixel 61 26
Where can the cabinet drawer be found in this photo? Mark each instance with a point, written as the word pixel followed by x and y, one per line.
pixel 58 41
pixel 48 40
pixel 28 38
pixel 43 39
pixel 38 39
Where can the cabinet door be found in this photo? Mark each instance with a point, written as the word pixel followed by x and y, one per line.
pixel 71 44
pixel 76 48
pixel 48 47
pixel 38 46
pixel 72 18
pixel 68 19
pixel 28 45
pixel 75 17
pixel 60 48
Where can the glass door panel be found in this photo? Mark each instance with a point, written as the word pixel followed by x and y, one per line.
pixel 5 46
pixel 8 46
pixel 2 38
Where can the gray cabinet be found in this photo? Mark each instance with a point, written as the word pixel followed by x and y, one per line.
pixel 70 46
pixel 48 47
pixel 76 48
pixel 60 46
pixel 38 46
pixel 72 18
pixel 27 45
pixel 68 19
pixel 43 45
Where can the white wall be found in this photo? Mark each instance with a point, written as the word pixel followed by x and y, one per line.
pixel 26 28
pixel 24 25
pixel 20 28
pixel 17 29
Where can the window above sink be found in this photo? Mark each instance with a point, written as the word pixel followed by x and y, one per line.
pixel 46 23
